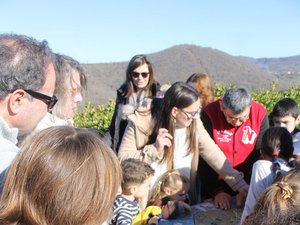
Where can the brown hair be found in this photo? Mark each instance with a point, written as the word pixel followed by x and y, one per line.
pixel 135 171
pixel 135 62
pixel 62 175
pixel 202 84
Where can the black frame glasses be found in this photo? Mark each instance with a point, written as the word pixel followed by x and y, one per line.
pixel 136 74
pixel 50 101
pixel 191 115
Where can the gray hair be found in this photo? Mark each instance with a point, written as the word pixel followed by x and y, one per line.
pixel 23 63
pixel 236 99
pixel 65 68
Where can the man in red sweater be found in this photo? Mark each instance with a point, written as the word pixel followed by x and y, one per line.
pixel 236 123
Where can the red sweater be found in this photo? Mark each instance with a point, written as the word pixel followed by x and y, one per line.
pixel 237 143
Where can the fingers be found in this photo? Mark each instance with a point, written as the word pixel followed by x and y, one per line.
pixel 162 132
pixel 222 200
pixel 164 138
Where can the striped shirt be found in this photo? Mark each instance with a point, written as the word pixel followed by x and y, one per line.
pixel 124 211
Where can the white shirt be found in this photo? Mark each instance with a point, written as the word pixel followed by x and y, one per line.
pixel 181 161
pixel 262 177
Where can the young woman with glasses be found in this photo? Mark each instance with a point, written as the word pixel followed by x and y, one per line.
pixel 133 93
pixel 175 140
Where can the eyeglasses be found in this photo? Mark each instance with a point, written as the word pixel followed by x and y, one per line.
pixel 136 75
pixel 240 119
pixel 50 101
pixel 191 115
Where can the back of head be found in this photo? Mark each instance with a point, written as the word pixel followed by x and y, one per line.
pixel 135 62
pixel 281 196
pixel 135 172
pixel 277 142
pixel 23 61
pixel 169 179
pixel 236 99
pixel 285 107
pixel 202 84
pixel 61 176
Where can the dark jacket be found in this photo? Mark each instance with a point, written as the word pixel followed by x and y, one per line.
pixel 118 125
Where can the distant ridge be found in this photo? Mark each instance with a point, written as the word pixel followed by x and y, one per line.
pixel 178 62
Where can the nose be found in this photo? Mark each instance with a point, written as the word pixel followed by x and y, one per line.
pixel 78 97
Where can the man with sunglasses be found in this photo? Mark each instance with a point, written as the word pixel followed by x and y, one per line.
pixel 27 79
pixel 236 123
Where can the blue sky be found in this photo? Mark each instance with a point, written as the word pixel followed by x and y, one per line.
pixel 95 31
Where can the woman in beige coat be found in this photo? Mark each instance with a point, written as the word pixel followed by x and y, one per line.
pixel 176 140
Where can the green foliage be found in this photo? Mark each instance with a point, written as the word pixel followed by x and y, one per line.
pixel 99 117
pixel 92 116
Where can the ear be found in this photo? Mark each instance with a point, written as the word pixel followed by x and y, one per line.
pixel 297 120
pixel 132 189
pixel 16 101
pixel 168 191
pixel 174 111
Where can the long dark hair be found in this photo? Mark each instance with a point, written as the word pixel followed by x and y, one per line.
pixel 135 62
pixel 179 95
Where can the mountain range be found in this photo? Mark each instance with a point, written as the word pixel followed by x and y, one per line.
pixel 179 62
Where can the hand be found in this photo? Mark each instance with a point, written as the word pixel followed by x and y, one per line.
pixel 240 199
pixel 163 139
pixel 153 220
pixel 222 200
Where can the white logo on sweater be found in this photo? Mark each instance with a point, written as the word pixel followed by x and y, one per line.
pixel 249 135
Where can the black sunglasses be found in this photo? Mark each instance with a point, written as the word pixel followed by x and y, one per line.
pixel 50 101
pixel 136 75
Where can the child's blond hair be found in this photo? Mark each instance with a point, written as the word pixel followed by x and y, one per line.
pixel 168 179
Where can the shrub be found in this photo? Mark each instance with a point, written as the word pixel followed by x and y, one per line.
pixel 99 117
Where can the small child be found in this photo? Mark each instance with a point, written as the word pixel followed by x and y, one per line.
pixel 173 185
pixel 286 114
pixel 276 151
pixel 169 199
pixel 279 203
pixel 137 176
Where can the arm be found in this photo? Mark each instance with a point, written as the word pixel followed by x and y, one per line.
pixel 259 182
pixel 216 159
pixel 263 127
pixel 129 147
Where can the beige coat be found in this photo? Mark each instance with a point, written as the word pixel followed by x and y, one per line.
pixel 134 145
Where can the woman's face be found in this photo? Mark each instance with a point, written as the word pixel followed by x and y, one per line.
pixel 140 76
pixel 185 116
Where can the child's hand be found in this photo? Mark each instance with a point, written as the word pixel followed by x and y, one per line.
pixel 153 220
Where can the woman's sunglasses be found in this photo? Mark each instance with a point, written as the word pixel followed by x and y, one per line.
pixel 136 75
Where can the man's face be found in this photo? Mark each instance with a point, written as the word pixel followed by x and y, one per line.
pixel 36 109
pixel 236 120
pixel 289 122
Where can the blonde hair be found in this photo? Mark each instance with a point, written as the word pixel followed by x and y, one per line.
pixel 278 199
pixel 202 84
pixel 62 175
pixel 168 179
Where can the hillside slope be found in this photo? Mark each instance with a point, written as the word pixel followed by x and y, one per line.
pixel 176 64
